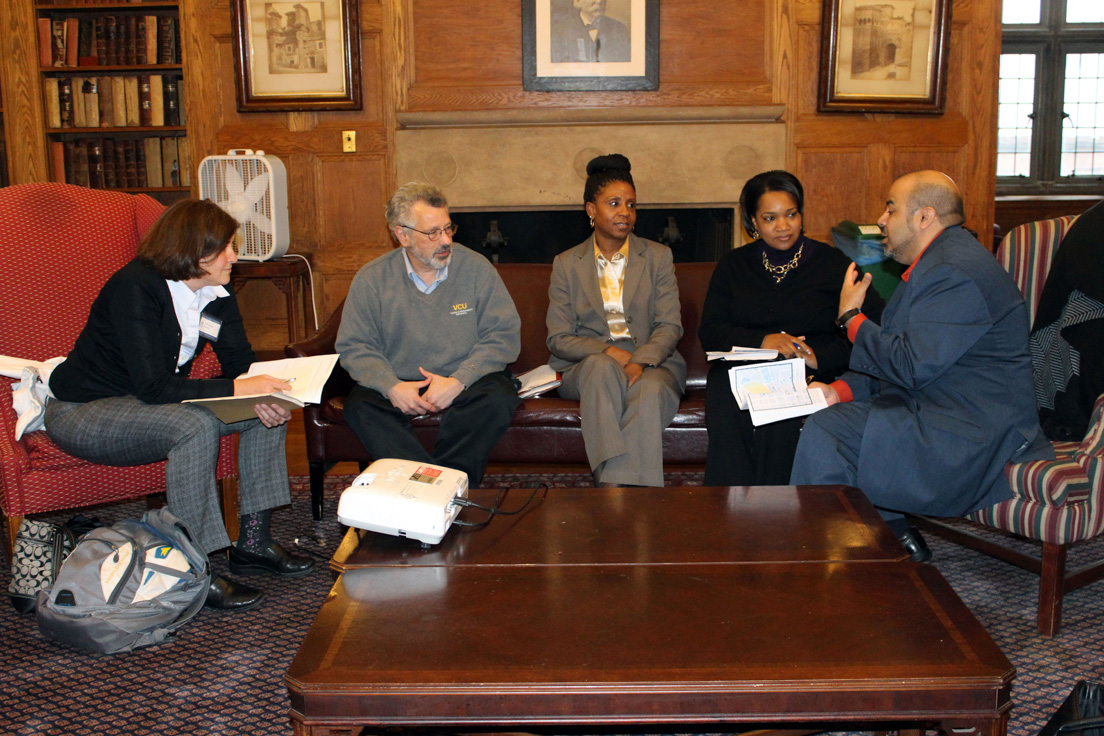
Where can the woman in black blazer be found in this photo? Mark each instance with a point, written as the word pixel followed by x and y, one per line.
pixel 116 398
pixel 781 292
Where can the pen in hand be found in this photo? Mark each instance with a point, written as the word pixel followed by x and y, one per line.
pixel 800 347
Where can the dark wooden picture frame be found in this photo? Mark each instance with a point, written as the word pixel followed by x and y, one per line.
pixel 884 56
pixel 544 73
pixel 267 86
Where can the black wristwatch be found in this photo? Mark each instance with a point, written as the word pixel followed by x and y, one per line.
pixel 843 318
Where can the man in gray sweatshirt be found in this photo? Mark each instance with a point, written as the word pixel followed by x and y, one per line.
pixel 429 328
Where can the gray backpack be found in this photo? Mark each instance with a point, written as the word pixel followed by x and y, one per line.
pixel 126 586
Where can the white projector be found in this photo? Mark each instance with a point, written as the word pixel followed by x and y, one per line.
pixel 403 498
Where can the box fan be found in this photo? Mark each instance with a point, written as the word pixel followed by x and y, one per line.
pixel 252 188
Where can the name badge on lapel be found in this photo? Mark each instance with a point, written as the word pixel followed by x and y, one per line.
pixel 209 327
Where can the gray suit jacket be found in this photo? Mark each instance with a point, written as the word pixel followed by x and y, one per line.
pixel 577 319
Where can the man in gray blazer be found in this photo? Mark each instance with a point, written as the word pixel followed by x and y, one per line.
pixel 939 397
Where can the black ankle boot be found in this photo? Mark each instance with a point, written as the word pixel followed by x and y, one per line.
pixel 270 558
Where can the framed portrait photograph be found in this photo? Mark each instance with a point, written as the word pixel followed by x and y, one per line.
pixel 295 56
pixel 884 55
pixel 600 45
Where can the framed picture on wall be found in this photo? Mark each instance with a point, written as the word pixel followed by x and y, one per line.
pixel 602 45
pixel 296 55
pixel 884 55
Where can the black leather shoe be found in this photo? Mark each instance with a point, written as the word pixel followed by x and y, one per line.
pixel 226 595
pixel 915 545
pixel 271 558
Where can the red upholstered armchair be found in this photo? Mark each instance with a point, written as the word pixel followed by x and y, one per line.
pixel 58 246
pixel 1056 502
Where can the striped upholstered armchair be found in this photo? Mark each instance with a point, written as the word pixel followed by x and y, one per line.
pixel 1056 503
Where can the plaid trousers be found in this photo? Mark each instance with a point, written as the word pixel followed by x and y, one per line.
pixel 123 430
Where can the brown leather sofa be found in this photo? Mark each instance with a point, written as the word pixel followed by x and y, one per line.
pixel 545 430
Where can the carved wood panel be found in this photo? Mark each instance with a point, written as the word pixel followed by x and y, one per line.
pixel 467 56
pixel 827 199
pixel 334 197
pixel 959 142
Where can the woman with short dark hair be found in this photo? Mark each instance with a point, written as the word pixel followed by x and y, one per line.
pixel 188 232
pixel 118 392
pixel 781 292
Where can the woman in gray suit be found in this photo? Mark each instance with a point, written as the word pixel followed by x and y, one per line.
pixel 613 323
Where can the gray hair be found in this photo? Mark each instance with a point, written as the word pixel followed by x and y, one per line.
pixel 398 209
pixel 942 196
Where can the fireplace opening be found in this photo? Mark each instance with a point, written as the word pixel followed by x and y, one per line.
pixel 537 236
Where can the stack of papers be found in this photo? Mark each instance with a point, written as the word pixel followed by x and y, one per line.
pixel 307 377
pixel 771 392
pixel 537 381
pixel 738 353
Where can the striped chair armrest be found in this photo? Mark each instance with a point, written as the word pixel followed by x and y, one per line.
pixel 1058 501
pixel 1050 482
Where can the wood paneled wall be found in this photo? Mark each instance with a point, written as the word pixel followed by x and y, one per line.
pixel 335 199
pixel 437 55
pixel 847 161
pixel 467 56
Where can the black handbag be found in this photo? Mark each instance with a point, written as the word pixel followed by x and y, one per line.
pixel 40 548
pixel 1081 715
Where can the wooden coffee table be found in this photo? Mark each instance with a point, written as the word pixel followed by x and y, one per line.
pixel 586 526
pixel 511 636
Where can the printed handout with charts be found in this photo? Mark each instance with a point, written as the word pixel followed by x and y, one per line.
pixel 774 391
pixel 307 377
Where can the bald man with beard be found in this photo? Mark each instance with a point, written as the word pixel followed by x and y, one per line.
pixel 939 396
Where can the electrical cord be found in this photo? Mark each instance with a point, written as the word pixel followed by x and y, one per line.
pixel 300 545
pixel 310 275
pixel 493 511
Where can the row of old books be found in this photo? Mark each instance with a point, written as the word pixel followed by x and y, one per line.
pixel 122 163
pixel 109 40
pixel 115 101
pixel 98 2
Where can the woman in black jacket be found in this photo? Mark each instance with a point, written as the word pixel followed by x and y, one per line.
pixel 117 395
pixel 779 292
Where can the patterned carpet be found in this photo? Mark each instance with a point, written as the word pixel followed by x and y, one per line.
pixel 224 673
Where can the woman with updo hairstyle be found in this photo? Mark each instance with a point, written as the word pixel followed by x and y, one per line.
pixel 781 292
pixel 116 400
pixel 613 323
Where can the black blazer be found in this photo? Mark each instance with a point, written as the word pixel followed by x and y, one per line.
pixel 744 304
pixel 132 339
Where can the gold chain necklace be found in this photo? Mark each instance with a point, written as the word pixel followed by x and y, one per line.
pixel 779 272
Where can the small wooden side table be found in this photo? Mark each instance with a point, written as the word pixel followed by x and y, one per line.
pixel 291 275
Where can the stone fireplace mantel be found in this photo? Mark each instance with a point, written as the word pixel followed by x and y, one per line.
pixel 536 158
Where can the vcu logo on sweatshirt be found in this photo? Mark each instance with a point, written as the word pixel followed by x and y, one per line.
pixel 461 308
